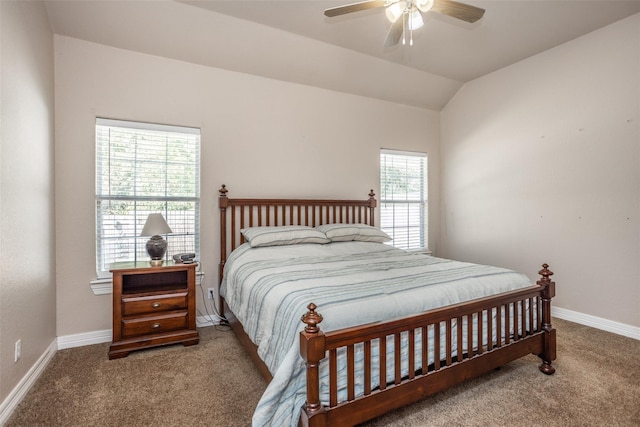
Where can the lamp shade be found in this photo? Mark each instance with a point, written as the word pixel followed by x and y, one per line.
pixel 155 225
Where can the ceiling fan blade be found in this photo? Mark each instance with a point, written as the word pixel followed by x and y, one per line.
pixel 458 10
pixel 354 7
pixel 395 32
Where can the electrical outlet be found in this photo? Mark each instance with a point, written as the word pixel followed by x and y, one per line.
pixel 18 351
pixel 210 293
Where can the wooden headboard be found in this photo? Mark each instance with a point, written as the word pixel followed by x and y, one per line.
pixel 236 214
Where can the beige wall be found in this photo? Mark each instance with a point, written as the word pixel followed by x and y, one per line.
pixel 541 163
pixel 260 137
pixel 27 260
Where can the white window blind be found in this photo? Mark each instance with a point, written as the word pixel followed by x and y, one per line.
pixel 403 199
pixel 144 168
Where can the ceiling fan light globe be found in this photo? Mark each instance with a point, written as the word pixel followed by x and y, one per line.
pixel 395 10
pixel 424 5
pixel 415 20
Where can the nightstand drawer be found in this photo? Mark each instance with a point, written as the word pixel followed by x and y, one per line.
pixel 154 324
pixel 151 304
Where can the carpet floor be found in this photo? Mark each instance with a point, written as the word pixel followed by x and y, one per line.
pixel 597 383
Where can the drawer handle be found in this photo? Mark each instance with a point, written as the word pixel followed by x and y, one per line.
pixel 155 326
pixel 156 305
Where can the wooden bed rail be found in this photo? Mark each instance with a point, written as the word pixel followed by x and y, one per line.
pixel 472 341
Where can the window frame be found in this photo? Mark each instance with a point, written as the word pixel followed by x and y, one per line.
pixel 186 227
pixel 387 203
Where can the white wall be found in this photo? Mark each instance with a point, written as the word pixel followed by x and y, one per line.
pixel 27 258
pixel 541 163
pixel 260 137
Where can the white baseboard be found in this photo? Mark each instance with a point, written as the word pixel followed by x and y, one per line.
pixel 87 338
pixel 98 337
pixel 208 320
pixel 20 390
pixel 596 322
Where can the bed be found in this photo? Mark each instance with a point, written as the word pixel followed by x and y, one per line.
pixel 341 348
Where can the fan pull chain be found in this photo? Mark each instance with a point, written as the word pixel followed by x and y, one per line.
pixel 410 28
pixel 405 18
pixel 407 22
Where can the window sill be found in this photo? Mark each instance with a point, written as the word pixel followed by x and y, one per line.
pixel 105 286
pixel 102 286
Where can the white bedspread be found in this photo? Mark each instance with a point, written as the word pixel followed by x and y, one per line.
pixel 352 283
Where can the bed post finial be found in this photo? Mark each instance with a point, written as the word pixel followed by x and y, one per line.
pixel 311 319
pixel 223 191
pixel 545 273
pixel 548 292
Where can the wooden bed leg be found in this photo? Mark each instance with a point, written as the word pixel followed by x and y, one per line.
pixel 312 350
pixel 549 353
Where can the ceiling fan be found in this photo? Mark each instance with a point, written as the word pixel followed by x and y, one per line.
pixel 406 15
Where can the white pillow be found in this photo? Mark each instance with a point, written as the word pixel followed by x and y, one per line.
pixel 282 235
pixel 349 232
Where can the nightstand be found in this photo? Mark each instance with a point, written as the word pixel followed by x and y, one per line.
pixel 152 306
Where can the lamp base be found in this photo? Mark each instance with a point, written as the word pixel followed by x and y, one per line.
pixel 156 248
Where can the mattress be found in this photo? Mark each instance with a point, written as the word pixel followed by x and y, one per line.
pixel 351 283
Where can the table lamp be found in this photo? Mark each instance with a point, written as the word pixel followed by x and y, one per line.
pixel 156 245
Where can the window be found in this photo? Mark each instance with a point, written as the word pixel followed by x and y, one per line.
pixel 403 199
pixel 144 168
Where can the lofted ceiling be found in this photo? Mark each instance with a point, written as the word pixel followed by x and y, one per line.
pixel 292 40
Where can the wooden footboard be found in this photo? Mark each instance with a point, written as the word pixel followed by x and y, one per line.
pixel 490 331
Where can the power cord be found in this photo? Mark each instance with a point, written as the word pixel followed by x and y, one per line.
pixel 223 322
